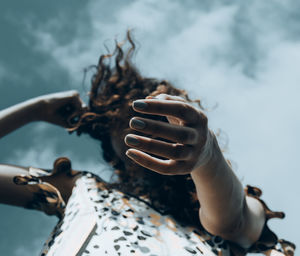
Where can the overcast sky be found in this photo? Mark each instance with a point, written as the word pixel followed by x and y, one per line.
pixel 243 56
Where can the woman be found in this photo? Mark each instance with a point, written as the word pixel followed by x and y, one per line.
pixel 168 164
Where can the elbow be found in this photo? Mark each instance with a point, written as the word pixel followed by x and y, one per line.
pixel 244 228
pixel 221 226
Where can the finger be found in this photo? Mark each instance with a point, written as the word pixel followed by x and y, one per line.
pixel 176 133
pixel 160 148
pixel 164 96
pixel 165 167
pixel 178 109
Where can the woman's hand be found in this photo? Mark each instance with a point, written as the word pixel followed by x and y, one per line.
pixel 224 211
pixel 190 143
pixel 59 108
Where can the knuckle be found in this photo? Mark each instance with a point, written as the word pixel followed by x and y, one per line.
pixel 185 108
pixel 175 151
pixel 178 151
pixel 188 107
pixel 185 136
pixel 192 136
pixel 188 110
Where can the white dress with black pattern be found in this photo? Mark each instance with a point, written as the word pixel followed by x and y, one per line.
pixel 109 222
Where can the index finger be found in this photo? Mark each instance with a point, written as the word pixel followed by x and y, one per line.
pixel 182 110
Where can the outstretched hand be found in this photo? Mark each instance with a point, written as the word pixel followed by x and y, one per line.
pixel 186 130
pixel 59 108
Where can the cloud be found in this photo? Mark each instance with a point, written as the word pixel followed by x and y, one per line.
pixel 44 157
pixel 156 23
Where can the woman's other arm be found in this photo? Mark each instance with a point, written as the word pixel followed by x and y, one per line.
pixel 53 108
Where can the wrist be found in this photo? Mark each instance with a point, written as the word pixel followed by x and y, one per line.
pixel 211 154
pixel 213 168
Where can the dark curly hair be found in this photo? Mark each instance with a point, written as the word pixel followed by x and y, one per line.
pixel 114 88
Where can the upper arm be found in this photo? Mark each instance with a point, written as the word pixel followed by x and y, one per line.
pixel 250 225
pixel 10 193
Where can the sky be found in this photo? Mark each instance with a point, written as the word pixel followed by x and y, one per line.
pixel 241 58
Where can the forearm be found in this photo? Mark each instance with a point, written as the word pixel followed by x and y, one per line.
pixel 224 209
pixel 18 115
pixel 55 108
pixel 10 193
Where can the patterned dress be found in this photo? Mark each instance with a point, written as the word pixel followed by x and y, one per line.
pixel 100 221
pixel 109 222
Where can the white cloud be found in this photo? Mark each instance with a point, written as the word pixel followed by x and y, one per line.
pixel 43 157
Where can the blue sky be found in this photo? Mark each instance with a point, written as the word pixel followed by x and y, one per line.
pixel 240 56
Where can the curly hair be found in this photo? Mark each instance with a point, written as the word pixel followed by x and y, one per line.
pixel 114 88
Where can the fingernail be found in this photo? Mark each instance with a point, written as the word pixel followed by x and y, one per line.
pixel 130 154
pixel 140 105
pixel 138 124
pixel 131 140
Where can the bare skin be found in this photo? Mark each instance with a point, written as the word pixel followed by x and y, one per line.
pixel 224 209
pixel 17 195
pixel 52 108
